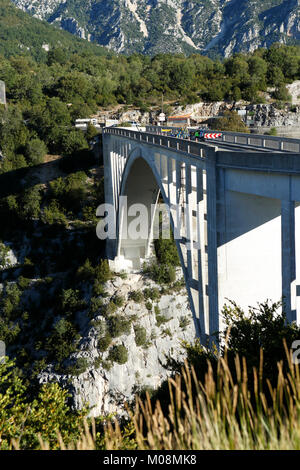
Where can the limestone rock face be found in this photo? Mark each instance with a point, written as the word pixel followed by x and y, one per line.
pixel 107 389
pixel 153 26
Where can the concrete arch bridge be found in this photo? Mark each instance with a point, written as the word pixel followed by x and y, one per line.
pixel 234 208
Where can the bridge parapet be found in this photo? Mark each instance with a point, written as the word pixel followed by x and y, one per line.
pixel 279 144
pixel 181 145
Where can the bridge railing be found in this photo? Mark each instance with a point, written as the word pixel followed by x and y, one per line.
pixel 281 144
pixel 156 138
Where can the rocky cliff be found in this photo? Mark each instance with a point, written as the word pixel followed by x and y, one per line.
pixel 153 26
pixel 155 334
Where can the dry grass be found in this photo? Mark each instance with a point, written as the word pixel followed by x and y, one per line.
pixel 217 414
pixel 220 414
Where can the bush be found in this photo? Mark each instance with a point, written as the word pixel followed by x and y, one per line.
pixel 119 354
pixel 118 300
pixel 119 326
pixel 232 122
pixel 35 151
pixel 137 296
pixel 103 272
pixel 272 131
pixel 86 272
pixel 78 367
pixel 161 273
pixel 49 413
pixel 104 342
pixel 262 327
pixel 54 215
pixel 4 251
pixel 184 322
pixel 152 293
pixel 140 335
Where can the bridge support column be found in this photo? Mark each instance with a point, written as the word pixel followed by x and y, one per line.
pixel 288 256
pixel 109 188
pixel 211 187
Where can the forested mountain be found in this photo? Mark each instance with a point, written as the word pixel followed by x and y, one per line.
pixel 153 26
pixel 21 34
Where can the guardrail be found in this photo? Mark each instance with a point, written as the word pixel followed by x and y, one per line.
pixel 155 138
pixel 281 144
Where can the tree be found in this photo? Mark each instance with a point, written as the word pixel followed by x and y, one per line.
pixel 281 93
pixel 35 151
pixel 30 203
pixel 232 122
pixel 73 142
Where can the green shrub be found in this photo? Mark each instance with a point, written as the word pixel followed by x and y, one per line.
pixel 49 413
pixel 78 367
pixel 62 341
pixel 118 300
pixel 119 354
pixel 272 131
pixel 160 273
pixel 109 309
pixel 137 296
pixel 140 335
pixel 103 272
pixel 119 326
pixel 4 251
pixel 96 305
pixel 149 306
pixel 184 322
pixel 104 342
pixel 23 282
pixel 261 327
pixel 86 272
pixel 152 293
pixel 167 332
pixel 161 319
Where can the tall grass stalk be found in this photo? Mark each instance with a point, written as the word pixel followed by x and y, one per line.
pixel 220 413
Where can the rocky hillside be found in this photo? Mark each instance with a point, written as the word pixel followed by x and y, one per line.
pixel 153 26
pixel 147 335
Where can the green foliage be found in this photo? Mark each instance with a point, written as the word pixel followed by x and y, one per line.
pixel 184 322
pixel 103 272
pixel 62 341
pixel 161 273
pixel 35 151
pixel 272 131
pixel 119 326
pixel 119 354
pixel 231 122
pixel 281 93
pixel 261 327
pixel 78 367
pixel 86 272
pixel 119 300
pixel 22 419
pixel 4 251
pixel 160 318
pixel 137 296
pixel 104 342
pixel 166 251
pixel 30 203
pixel 53 214
pixel 152 293
pixel 140 335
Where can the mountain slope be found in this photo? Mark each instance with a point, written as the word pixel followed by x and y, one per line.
pixel 19 33
pixel 152 26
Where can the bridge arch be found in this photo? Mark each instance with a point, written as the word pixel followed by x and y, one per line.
pixel 142 183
